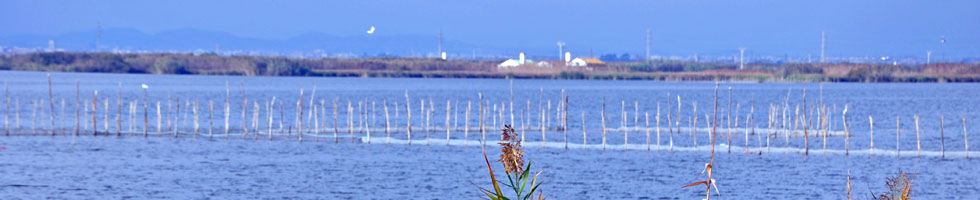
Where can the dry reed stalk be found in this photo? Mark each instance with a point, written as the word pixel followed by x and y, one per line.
pixel 466 123
pixel 714 129
pixel 872 126
pixel 966 140
pixel 603 116
pixel 585 136
pixel 646 117
pixel 848 184
pixel 918 143
pixel 942 135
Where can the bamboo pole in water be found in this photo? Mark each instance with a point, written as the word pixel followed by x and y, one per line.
pixel 670 125
pixel 646 117
pixel 603 116
pixel 387 121
pixel 624 126
pixel 211 120
pixel 585 136
pixel 197 125
pixel 728 119
pixel 336 128
pixel 350 120
pixel 466 123
pixel 484 134
pixel 316 124
pixel 118 111
pixel 694 125
pixel 299 117
pixel 677 123
pixel 564 112
pixel 847 133
pixel 95 102
pixel 658 126
pixel 448 115
pixel 268 110
pixel 105 115
pixel 6 117
pixel 408 108
pixel 942 135
pixel 146 115
pixel 159 119
pixel 871 149
pixel 918 143
pixel 806 134
pixel 898 124
pixel 176 120
pixel 51 103
pixel 966 140
pixel 425 124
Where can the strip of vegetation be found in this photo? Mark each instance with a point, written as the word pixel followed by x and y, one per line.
pixel 660 70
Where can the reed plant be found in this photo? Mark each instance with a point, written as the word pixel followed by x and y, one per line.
pixel 518 174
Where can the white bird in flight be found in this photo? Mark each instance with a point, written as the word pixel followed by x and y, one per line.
pixel 370 31
pixel 145 86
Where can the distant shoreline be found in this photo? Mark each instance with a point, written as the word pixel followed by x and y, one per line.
pixel 401 67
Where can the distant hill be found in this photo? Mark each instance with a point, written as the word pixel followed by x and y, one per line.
pixel 190 40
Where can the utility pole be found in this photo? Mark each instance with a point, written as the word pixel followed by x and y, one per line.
pixel 98 38
pixel 823 46
pixel 561 50
pixel 928 57
pixel 741 58
pixel 648 45
pixel 440 42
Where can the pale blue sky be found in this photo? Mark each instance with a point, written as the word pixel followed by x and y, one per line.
pixel 854 28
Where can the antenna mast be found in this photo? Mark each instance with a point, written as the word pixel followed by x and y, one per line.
pixel 741 58
pixel 823 46
pixel 648 45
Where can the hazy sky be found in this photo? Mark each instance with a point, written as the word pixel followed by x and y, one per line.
pixel 853 27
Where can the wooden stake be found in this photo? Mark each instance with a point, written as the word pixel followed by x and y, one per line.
pixel 806 134
pixel 119 111
pixel 847 133
pixel 918 143
pixel 197 125
pixel 466 123
pixel 966 140
pixel 95 103
pixel 408 108
pixel 448 115
pixel 585 136
pixel 942 135
pixel 728 119
pixel 872 147
pixel 603 116
pixel 51 103
pixel 646 117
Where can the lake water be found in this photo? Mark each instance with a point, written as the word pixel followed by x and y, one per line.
pixel 346 166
